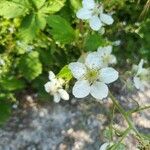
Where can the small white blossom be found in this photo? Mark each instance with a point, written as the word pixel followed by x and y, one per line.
pixel 106 56
pixel 91 79
pixel 141 77
pixel 14 106
pixel 124 23
pixel 117 43
pixel 26 47
pixel 29 48
pixel 55 88
pixel 105 146
pixel 11 29
pixel 93 12
pixel 2 62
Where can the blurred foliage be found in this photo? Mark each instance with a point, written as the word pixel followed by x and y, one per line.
pixel 38 36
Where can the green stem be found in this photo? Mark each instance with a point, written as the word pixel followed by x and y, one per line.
pixel 140 109
pixel 125 115
pixel 111 122
pixel 123 136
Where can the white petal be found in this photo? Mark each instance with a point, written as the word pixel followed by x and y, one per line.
pixel 140 67
pixel 95 23
pixel 93 61
pixel 89 4
pixel 48 86
pixel 63 94
pixel 81 89
pixel 107 19
pixel 108 75
pixel 134 68
pixel 138 84
pixel 78 69
pixel 99 90
pixel 51 75
pixel 101 51
pixel 108 49
pixel 84 13
pixel 56 97
pixel 104 50
pixel 113 59
pixel 101 9
pixel 105 146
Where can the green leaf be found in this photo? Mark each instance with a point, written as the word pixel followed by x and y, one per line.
pixel 55 5
pixel 12 84
pixel 65 73
pixel 10 9
pixel 30 65
pixel 119 146
pixel 38 3
pixel 93 42
pixel 46 58
pixel 28 28
pixel 61 29
pixel 76 4
pixel 40 21
pixel 31 26
pixel 107 133
pixel 38 84
pixel 5 112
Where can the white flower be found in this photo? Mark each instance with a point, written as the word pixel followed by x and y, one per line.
pixel 90 78
pixel 54 87
pixel 141 77
pixel 106 56
pixel 105 146
pixel 93 12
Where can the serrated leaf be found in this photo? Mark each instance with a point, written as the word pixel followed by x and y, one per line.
pixel 93 42
pixel 10 9
pixel 28 28
pixel 61 29
pixel 55 5
pixel 31 26
pixel 65 73
pixel 30 65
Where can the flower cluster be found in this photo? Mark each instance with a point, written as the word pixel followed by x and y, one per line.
pixel 93 12
pixel 55 88
pixel 94 74
pixel 141 77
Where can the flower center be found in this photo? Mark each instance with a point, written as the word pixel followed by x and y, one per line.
pixel 91 75
pixel 55 86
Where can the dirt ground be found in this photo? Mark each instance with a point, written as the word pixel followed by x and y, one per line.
pixel 70 125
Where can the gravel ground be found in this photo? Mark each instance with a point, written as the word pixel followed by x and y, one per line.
pixel 73 125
